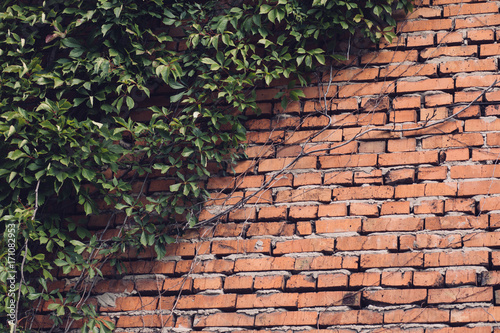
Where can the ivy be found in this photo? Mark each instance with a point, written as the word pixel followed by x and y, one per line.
pixel 72 72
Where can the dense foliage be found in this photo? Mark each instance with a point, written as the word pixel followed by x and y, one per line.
pixel 71 73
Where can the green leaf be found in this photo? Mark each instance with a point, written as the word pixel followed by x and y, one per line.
pixel 175 187
pixel 105 28
pixel 16 154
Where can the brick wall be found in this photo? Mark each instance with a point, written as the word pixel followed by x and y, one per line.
pixel 371 205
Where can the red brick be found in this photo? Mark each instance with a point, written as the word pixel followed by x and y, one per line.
pixel 286 318
pixel 264 264
pixel 230 246
pixel 424 12
pixel 460 205
pixel 404 70
pixel 435 113
pixel 382 260
pixel 259 151
pixel 222 319
pixel 397 279
pixel 492 110
pixel 426 129
pixel 428 279
pixel 343 148
pixel 425 85
pixel 304 194
pixel 309 178
pixel 468 9
pixel 343 161
pixel 473 315
pixel 145 321
pixel 363 209
pixel 430 241
pixel 395 207
pixel 476 81
pixel 132 304
pixel 400 176
pixel 449 37
pixel 272 213
pixel 331 135
pixel 304 245
pixel 340 225
pixel 385 57
pixel 489 204
pixel 357 243
pixel 453 140
pixel 482 125
pixel 389 131
pixel 478 65
pixel 304 228
pixel 474 21
pixel 395 296
pixel 456 222
pixel 406 102
pixel 479 187
pixel 332 280
pixel 238 283
pixel 271 229
pixel 423 157
pixel 460 295
pixel 418 315
pixel 327 262
pixel 410 191
pixel 108 286
pixel 456 258
pixel 493 139
pixel 339 177
pixel 393 224
pixel 429 207
pixel 353 74
pixel 351 317
pixel 460 154
pixel 362 89
pixel 364 279
pixel 243 214
pixel 213 283
pixel 301 282
pixel 329 298
pixel 490 278
pixel 424 39
pixel 303 212
pixel 432 173
pixel 372 146
pixel 283 180
pixel 488 239
pixel 425 25
pixel 270 300
pixel 269 282
pixel 372 177
pixel 276 164
pixel 225 301
pixel 332 210
pixel 460 277
pixel 368 192
pixel 468 96
pixel 467 112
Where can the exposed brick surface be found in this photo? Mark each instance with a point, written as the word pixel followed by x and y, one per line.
pixel 388 223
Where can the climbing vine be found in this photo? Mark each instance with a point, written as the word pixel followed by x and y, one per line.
pixel 72 75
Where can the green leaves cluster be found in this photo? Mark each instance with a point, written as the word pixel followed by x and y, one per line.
pixel 72 72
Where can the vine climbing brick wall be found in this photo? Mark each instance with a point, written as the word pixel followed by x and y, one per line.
pixel 372 204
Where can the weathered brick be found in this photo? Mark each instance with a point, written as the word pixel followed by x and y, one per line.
pixel 237 283
pixel 450 51
pixel 468 9
pixel 382 260
pixel 365 192
pixel 351 317
pixel 271 229
pixel 332 210
pixel 304 194
pixel 304 245
pixel 301 282
pixel 395 296
pixel 425 25
pixel 264 264
pixel 482 239
pixel 393 224
pixel 326 262
pixel 428 279
pixel 456 258
pixel 397 279
pixel 460 205
pixel 474 315
pixel 477 65
pixel 453 140
pixel 276 164
pixel 425 315
pixel 263 301
pixel 211 283
pixel 339 177
pixel 269 282
pixel 460 277
pixel 456 222
pixel 460 295
pixel 332 280
pixel 432 173
pixel 406 158
pixel 395 207
pixel 357 243
pixel 343 161
pixel 429 207
pixel 338 225
pixel 225 301
pixel 364 279
pixel 222 319
pixel 425 85
pixel 385 57
pixel 329 298
pixel 298 318
pixel 303 212
pixel 400 176
pixel 145 321
pixel 363 209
